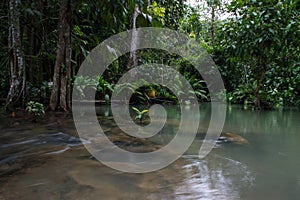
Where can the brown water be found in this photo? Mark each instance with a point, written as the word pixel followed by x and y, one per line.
pixel 47 160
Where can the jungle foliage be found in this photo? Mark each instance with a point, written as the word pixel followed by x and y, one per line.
pixel 255 44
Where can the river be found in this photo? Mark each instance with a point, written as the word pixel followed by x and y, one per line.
pixel 47 160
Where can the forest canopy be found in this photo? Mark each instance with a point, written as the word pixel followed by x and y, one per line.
pixel 255 44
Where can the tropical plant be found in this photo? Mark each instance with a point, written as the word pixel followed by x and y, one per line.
pixel 104 87
pixel 35 109
pixel 140 114
pixel 80 83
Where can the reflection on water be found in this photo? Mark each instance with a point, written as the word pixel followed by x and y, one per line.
pixel 217 177
pixel 48 161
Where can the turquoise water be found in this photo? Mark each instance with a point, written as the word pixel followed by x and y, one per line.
pixel 47 160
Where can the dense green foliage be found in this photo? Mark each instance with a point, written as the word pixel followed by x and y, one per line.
pixel 260 45
pixel 256 46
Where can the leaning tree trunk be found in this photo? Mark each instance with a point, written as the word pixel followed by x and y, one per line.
pixel 60 95
pixel 16 58
pixel 134 39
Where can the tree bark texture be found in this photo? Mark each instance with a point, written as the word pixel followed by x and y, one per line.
pixel 60 94
pixel 17 73
pixel 134 39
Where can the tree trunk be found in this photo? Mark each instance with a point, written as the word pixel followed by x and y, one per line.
pixel 257 95
pixel 16 58
pixel 212 25
pixel 134 39
pixel 60 95
pixel 260 77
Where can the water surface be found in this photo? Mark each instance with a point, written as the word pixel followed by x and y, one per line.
pixel 47 160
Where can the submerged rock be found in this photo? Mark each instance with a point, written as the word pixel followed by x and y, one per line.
pixel 232 138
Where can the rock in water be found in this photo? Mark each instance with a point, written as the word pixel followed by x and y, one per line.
pixel 232 138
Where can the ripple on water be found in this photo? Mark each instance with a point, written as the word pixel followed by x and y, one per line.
pixel 214 177
pixel 52 143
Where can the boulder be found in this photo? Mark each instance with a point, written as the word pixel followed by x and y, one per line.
pixel 227 137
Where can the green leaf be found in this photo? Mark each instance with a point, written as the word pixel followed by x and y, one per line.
pixel 144 111
pixel 135 109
